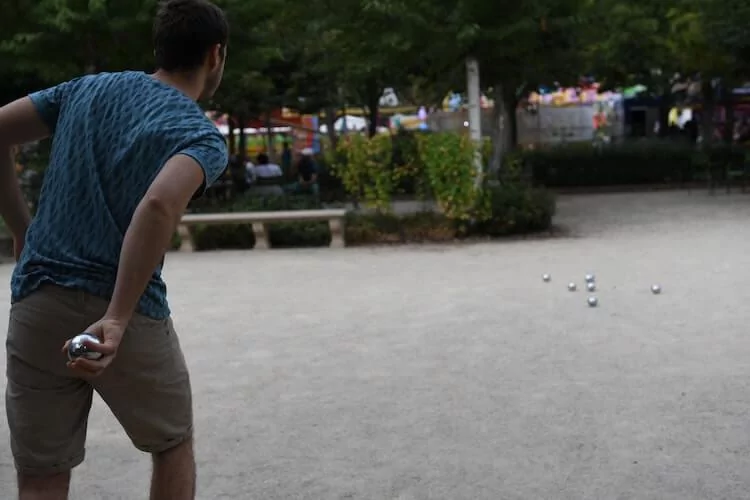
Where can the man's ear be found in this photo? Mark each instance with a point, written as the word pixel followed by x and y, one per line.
pixel 216 56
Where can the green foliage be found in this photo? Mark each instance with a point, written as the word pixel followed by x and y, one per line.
pixel 408 169
pixel 448 160
pixel 649 41
pixel 441 165
pixel 60 39
pixel 518 209
pixel 427 227
pixel 363 165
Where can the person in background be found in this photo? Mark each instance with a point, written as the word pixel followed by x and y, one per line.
pixel 249 172
pixel 264 169
pixel 307 174
pixel 267 178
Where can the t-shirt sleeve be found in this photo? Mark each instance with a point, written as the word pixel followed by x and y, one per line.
pixel 210 152
pixel 49 101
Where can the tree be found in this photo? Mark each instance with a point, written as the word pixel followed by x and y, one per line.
pixel 529 43
pixel 655 41
pixel 60 39
pixel 349 52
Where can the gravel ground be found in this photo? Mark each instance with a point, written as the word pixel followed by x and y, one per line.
pixel 454 372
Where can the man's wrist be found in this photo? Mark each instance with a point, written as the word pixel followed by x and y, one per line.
pixel 118 315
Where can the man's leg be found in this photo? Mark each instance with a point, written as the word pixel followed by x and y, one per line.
pixel 171 468
pixel 44 488
pixel 47 410
pixel 147 387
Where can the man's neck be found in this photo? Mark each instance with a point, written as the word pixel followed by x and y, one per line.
pixel 184 83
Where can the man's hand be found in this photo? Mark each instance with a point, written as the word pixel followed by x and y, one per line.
pixel 109 332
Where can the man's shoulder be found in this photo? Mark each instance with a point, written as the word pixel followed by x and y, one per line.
pixel 124 78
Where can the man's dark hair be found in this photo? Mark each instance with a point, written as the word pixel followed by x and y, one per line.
pixel 184 32
pixel 262 159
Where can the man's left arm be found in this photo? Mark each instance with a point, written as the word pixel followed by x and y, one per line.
pixel 20 123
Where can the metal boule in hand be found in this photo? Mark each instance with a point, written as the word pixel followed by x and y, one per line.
pixel 78 348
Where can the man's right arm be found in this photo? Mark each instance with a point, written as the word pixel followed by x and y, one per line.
pixel 155 219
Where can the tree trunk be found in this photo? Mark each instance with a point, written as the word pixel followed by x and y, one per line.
pixel 502 125
pixel 232 139
pixel 270 146
pixel 707 118
pixel 372 97
pixel 330 121
pixel 728 101
pixel 242 144
pixel 237 166
pixel 511 106
pixel 665 104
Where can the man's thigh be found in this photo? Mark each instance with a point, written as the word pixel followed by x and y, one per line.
pixel 147 386
pixel 47 409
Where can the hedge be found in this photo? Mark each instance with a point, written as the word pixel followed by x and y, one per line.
pixel 629 163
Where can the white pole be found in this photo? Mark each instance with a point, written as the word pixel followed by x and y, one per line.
pixel 475 111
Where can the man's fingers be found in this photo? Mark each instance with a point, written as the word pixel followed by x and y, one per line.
pixel 104 348
pixel 65 347
pixel 89 367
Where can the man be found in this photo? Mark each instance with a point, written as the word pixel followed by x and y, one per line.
pixel 130 150
pixel 264 169
pixel 265 178
pixel 307 174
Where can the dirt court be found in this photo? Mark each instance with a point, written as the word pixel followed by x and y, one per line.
pixel 454 373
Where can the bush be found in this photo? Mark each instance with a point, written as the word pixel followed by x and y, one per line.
pixel 517 209
pixel 632 163
pixel 331 188
pixel 426 227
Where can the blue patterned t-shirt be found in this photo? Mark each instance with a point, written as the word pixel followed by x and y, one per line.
pixel 112 133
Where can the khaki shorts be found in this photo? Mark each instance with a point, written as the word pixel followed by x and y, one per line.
pixel 147 386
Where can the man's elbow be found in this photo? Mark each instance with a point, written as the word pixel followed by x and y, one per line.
pixel 159 208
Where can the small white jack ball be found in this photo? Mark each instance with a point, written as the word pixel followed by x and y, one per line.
pixel 546 277
pixel 590 278
pixel 655 289
pixel 593 302
pixel 591 286
pixel 572 287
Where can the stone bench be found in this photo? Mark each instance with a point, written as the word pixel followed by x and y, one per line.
pixel 259 221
